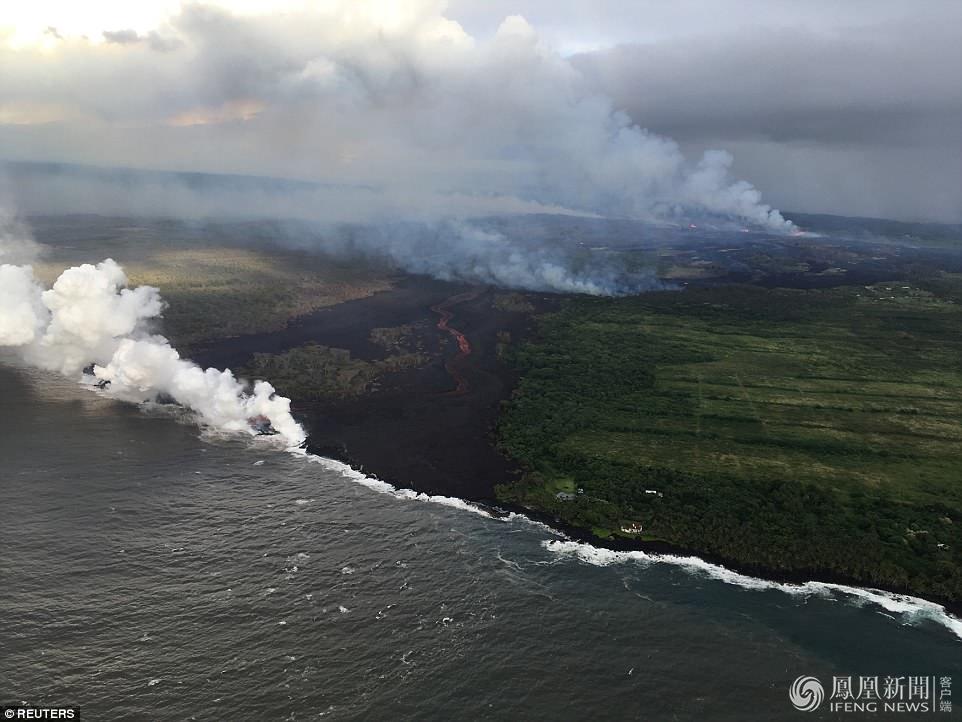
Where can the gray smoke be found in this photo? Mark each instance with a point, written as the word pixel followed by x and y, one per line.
pixel 501 242
pixel 475 252
pixel 398 121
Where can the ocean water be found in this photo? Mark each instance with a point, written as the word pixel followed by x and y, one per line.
pixel 150 572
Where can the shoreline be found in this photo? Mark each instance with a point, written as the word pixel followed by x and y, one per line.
pixel 693 561
pixel 766 574
pixel 426 434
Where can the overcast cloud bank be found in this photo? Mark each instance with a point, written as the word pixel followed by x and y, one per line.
pixel 406 103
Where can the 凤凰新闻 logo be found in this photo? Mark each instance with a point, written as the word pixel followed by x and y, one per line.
pixel 806 694
pixel 909 694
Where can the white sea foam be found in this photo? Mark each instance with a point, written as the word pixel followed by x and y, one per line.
pixel 384 487
pixel 515 517
pixel 910 609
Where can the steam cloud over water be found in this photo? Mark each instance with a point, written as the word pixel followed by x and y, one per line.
pixel 89 326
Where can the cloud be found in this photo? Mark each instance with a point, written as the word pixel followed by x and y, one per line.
pixel 121 37
pixel 841 107
pixel 365 93
pixel 859 119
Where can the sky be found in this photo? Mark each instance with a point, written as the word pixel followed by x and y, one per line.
pixel 644 108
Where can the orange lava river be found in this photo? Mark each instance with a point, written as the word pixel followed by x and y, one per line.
pixel 443 309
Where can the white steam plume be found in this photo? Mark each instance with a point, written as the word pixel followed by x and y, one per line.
pixel 90 319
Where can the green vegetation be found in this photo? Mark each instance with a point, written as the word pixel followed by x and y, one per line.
pixel 314 372
pixel 792 430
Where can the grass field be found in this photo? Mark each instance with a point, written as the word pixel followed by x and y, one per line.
pixel 793 430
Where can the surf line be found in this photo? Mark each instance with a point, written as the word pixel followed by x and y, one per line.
pixel 443 309
pixel 910 609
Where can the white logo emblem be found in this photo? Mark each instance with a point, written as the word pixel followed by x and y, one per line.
pixel 806 694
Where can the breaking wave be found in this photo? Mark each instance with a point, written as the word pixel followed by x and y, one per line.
pixel 911 609
pixel 384 487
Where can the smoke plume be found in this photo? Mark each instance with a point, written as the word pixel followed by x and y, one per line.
pixel 91 327
pixel 400 114
pixel 500 252
pixel 401 128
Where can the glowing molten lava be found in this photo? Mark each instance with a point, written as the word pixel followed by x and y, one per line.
pixel 464 346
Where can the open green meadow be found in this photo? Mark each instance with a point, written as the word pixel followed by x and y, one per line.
pixel 802 431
